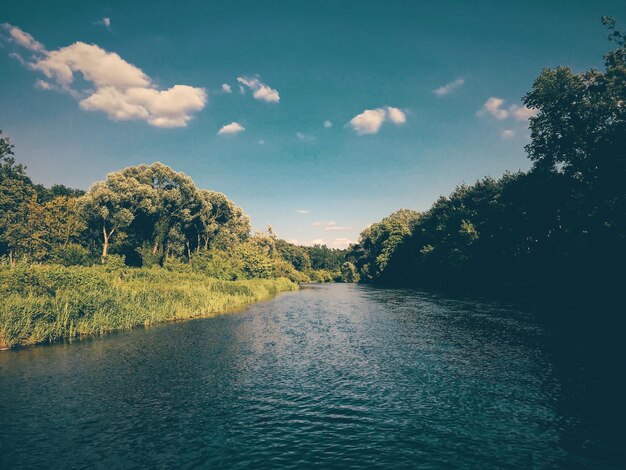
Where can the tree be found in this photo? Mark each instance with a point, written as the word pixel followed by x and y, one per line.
pixel 159 210
pixel 16 190
pixel 378 243
pixel 113 204
pixel 348 272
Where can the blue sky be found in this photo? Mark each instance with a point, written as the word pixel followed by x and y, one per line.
pixel 421 96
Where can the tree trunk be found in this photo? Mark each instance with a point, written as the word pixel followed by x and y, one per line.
pixel 106 237
pixel 155 248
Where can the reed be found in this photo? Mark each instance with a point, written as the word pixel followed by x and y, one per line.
pixel 45 303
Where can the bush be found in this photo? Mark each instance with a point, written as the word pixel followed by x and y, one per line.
pixel 282 268
pixel 219 265
pixel 71 255
pixel 148 257
pixel 113 262
pixel 322 275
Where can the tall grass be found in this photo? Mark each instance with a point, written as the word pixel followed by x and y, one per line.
pixel 45 303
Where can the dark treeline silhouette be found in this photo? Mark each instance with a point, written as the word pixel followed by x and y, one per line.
pixel 559 228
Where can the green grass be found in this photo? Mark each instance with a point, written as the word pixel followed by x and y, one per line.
pixel 45 303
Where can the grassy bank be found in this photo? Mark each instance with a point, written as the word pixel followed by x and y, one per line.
pixel 44 303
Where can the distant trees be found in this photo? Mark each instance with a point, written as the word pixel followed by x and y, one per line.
pixel 322 257
pixel 145 215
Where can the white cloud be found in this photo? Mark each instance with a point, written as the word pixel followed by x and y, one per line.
pixel 22 38
pixel 495 107
pixel 226 88
pixel 507 133
pixel 121 90
pixel 522 113
pixel 261 142
pixel 260 90
pixel 164 108
pixel 368 122
pixel 371 120
pixel 395 115
pixel 449 87
pixel 232 128
pixel 340 243
pixel 95 64
pixel 303 211
pixel 328 124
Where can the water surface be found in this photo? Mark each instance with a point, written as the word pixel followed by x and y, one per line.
pixel 333 376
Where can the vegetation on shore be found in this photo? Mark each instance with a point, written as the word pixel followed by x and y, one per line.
pixel 556 230
pixel 45 303
pixel 143 246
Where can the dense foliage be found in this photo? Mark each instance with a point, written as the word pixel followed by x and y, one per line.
pixel 143 216
pixel 560 226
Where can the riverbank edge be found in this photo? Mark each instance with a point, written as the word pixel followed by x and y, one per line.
pixel 44 304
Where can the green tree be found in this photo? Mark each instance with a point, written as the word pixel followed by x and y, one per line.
pixel 348 272
pixel 16 190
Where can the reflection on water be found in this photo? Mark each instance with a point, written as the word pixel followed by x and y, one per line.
pixel 331 376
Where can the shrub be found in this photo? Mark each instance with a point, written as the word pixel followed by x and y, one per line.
pixel 71 255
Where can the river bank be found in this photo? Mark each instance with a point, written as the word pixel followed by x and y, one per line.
pixel 46 303
pixel 334 376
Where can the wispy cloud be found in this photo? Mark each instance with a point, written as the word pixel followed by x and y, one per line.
pixel 331 225
pixel 232 128
pixel 43 85
pixel 226 88
pixel 371 120
pixel 507 134
pixel 303 211
pixel 305 137
pixel 328 124
pixel 106 22
pixel 121 90
pixel 22 38
pixel 260 90
pixel 449 87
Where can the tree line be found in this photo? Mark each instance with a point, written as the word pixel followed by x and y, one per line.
pixel 560 227
pixel 143 216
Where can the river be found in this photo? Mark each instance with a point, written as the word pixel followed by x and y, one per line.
pixel 332 376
